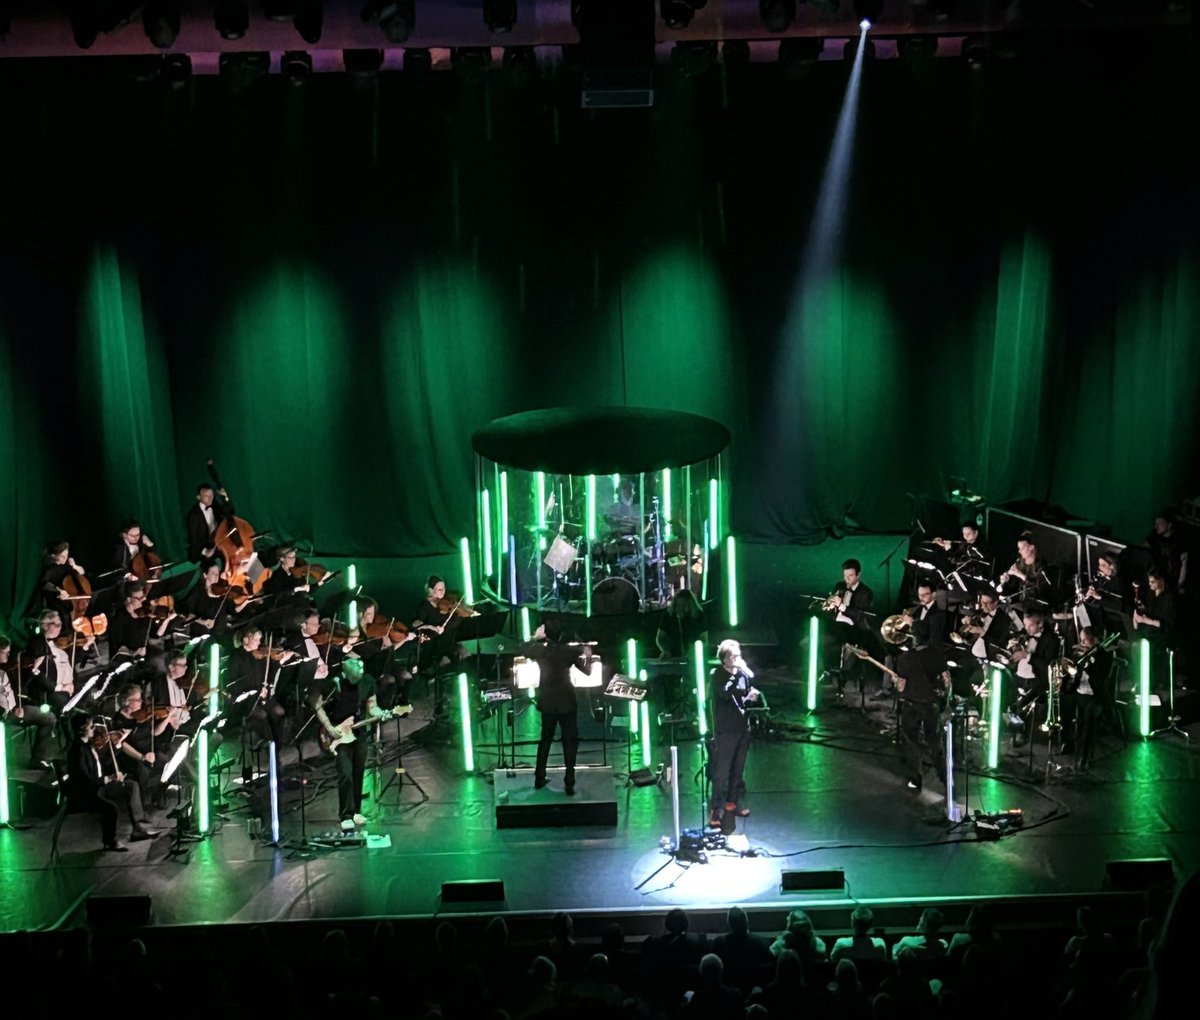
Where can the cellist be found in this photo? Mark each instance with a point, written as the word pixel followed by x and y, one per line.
pixel 58 566
pixel 132 544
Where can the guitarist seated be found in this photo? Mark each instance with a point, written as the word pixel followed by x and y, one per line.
pixel 350 699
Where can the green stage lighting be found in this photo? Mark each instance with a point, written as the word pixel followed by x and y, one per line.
pixel 813 650
pixel 731 579
pixel 464 710
pixel 701 682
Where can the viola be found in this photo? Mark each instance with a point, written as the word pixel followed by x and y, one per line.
pixel 157 609
pixel 235 593
pixel 340 635
pixel 312 573
pixel 77 636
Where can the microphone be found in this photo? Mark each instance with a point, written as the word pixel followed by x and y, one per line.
pixel 741 664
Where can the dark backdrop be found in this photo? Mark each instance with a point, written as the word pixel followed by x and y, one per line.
pixel 328 288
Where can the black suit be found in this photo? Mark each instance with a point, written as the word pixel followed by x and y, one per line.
pixel 931 630
pixel 87 791
pixel 859 631
pixel 921 670
pixel 198 536
pixel 556 702
pixel 731 736
pixel 122 557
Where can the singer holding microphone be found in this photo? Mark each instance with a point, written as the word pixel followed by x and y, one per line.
pixel 729 692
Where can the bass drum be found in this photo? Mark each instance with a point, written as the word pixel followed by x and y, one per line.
pixel 615 595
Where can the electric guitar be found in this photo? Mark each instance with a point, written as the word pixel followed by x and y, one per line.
pixel 348 727
pixel 896 677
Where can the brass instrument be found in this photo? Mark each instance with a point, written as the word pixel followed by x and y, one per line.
pixel 896 629
pixel 1053 720
pixel 830 602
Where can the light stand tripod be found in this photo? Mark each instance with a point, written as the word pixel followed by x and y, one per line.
pixel 399 774
pixel 1172 719
pixel 302 849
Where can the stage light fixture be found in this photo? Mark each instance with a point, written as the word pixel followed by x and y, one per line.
pixel 160 22
pixel 777 15
pixel 418 61
pixel 231 18
pixel 177 70
pixel 362 65
pixel 396 18
pixel 867 12
pixel 499 15
pixel 296 66
pixel 849 52
pixel 240 69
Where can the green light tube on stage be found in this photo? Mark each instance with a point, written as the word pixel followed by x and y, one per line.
pixel 541 508
pixel 701 682
pixel 714 500
pixel 202 781
pixel 214 677
pixel 631 662
pixel 666 503
pixel 352 583
pixel 464 548
pixel 814 647
pixel 633 718
pixel 731 579
pixel 4 809
pixel 1144 687
pixel 591 508
pixel 646 733
pixel 526 633
pixel 464 711
pixel 502 538
pixel 273 760
pixel 587 587
pixel 486 510
pixel 993 758
pixel 616 480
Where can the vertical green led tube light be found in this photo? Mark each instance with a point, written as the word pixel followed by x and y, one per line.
pixel 666 504
pixel 591 537
pixel 464 548
pixel 202 818
pixel 631 658
pixel 731 579
pixel 541 509
pixel 352 583
pixel 502 538
pixel 646 749
pixel 714 503
pixel 814 647
pixel 1144 687
pixel 464 711
pixel 526 633
pixel 633 718
pixel 486 510
pixel 993 758
pixel 701 683
pixel 4 809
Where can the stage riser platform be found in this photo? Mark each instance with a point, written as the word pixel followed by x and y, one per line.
pixel 520 806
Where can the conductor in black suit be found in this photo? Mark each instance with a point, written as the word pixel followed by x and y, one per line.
pixel 555 700
pixel 202 520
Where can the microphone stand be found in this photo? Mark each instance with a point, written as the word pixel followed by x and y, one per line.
pixel 886 562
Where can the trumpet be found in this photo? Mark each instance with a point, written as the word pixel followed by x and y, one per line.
pixel 1018 643
pixel 830 602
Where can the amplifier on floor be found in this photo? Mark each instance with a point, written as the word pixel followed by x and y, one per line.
pixel 473 890
pixel 118 911
pixel 824 880
pixel 1137 874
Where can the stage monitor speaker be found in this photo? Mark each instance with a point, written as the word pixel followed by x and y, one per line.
pixel 815 879
pixel 473 890
pixel 1137 874
pixel 118 911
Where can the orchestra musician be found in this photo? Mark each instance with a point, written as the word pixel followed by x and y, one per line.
pixel 202 520
pixel 339 701
pixel 134 627
pixel 1095 695
pixel 851 604
pixel 969 547
pixel 1033 652
pixel 283 583
pixel 17 710
pixel 91 786
pixel 1026 580
pixel 436 623
pixel 140 750
pixel 52 670
pixel 990 628
pixel 379 655
pixel 250 682
pixel 1168 547
pixel 730 691
pixel 929 620
pixel 1155 619
pixel 920 679
pixel 174 689
pixel 1102 597
pixel 205 611
pixel 58 565
pixel 133 543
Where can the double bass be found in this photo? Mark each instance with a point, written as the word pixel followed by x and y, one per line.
pixel 234 543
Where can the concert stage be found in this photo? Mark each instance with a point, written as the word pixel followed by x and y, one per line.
pixel 826 793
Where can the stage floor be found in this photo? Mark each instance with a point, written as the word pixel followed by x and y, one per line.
pixel 826 791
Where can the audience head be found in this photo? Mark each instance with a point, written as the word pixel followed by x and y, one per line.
pixel 845 976
pixel 737 921
pixel 788 968
pixel 561 926
pixel 862 920
pixel 543 972
pixel 711 968
pixel 676 921
pixel 931 921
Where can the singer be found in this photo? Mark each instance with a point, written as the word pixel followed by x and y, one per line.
pixel 729 692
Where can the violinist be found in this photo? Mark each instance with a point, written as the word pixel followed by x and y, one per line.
pixel 96 784
pixel 320 660
pixel 206 606
pixel 15 710
pixel 436 623
pixel 58 565
pixel 141 748
pixel 52 667
pixel 129 630
pixel 250 680
pixel 179 692
pixel 202 520
pixel 376 643
pixel 133 543
pixel 283 583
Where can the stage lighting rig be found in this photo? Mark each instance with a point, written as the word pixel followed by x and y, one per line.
pixel 678 13
pixel 867 12
pixel 499 15
pixel 231 18
pixel 296 67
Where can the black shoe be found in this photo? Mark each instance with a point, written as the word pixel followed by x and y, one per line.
pixel 570 790
pixel 540 783
pixel 115 848
pixel 141 835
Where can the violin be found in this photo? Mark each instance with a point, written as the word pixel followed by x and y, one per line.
pixel 274 654
pixel 312 573
pixel 158 609
pixel 452 605
pixel 340 635
pixel 379 628
pixel 109 738
pixel 157 713
pixel 77 636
